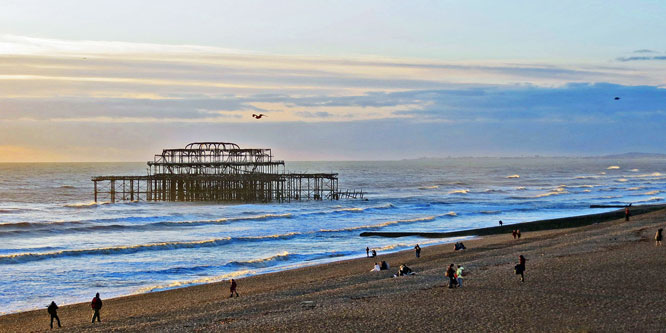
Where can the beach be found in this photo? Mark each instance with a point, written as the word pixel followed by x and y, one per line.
pixel 601 277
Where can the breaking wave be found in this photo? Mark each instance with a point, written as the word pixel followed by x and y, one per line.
pixel 652 192
pixel 613 167
pixel 652 199
pixel 388 223
pixel 513 176
pixel 208 279
pixel 27 257
pixel 586 177
pixel 90 204
pixel 465 191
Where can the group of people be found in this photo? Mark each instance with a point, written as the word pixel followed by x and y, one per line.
pixel 458 246
pixel 380 267
pixel 367 252
pixel 96 305
pixel 455 276
pixel 516 233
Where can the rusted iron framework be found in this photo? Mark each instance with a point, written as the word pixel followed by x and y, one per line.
pixel 219 171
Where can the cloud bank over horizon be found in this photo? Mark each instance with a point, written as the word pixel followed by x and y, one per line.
pixel 66 100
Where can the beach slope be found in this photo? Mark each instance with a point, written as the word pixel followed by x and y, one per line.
pixel 603 277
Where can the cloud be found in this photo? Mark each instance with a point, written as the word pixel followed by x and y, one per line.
pixel 113 109
pixel 126 95
pixel 320 114
pixel 645 51
pixel 572 103
pixel 626 59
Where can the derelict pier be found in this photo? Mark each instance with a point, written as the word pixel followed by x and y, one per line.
pixel 219 171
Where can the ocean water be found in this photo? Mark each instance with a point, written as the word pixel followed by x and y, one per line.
pixel 56 244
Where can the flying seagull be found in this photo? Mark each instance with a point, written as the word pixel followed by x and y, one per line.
pixel 258 116
pixel 617 98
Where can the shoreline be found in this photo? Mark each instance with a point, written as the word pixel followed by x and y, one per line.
pixel 546 224
pixel 538 225
pixel 325 283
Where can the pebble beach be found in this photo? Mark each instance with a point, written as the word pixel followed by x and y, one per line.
pixel 602 277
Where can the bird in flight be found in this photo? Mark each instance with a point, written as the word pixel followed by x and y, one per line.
pixel 617 98
pixel 258 116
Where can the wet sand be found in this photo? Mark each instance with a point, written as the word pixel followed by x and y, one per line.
pixel 606 276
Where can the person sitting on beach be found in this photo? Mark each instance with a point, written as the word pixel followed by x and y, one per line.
pixel 404 270
pixel 232 288
pixel 53 311
pixel 459 275
pixel 450 273
pixel 96 305
pixel 376 268
pixel 658 236
pixel 520 268
pixel 384 266
pixel 459 246
pixel 374 253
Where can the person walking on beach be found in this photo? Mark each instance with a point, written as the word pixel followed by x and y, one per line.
pixel 658 237
pixel 520 268
pixel 450 273
pixel 367 252
pixel 96 305
pixel 53 311
pixel 514 234
pixel 626 213
pixel 232 288
pixel 518 233
pixel 459 275
pixel 417 250
pixel 500 222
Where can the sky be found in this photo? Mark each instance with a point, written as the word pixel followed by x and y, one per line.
pixel 344 80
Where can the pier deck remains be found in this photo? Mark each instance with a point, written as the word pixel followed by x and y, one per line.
pixel 219 171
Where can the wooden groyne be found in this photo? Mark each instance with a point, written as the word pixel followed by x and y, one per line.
pixel 219 171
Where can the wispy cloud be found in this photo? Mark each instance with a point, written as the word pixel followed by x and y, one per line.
pixel 626 59
pixel 82 94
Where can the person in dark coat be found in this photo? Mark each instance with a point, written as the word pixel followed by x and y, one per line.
pixel 367 252
pixel 417 250
pixel 451 274
pixel 232 288
pixel 96 305
pixel 520 268
pixel 384 265
pixel 374 253
pixel 53 311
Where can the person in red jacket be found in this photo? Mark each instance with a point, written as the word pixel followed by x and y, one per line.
pixel 96 305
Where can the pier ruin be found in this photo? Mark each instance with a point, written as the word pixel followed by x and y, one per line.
pixel 222 172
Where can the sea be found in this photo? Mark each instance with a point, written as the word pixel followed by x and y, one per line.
pixel 56 244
